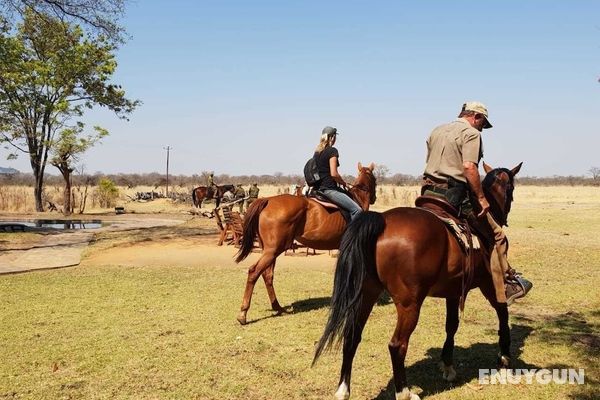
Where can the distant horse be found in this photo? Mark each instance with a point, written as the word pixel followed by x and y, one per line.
pixel 411 254
pixel 279 220
pixel 202 193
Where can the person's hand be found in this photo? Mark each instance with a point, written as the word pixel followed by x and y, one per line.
pixel 484 206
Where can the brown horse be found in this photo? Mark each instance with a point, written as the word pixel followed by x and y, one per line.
pixel 201 193
pixel 410 253
pixel 278 220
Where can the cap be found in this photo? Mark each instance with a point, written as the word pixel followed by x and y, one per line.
pixel 328 130
pixel 479 108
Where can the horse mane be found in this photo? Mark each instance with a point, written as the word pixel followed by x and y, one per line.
pixel 498 211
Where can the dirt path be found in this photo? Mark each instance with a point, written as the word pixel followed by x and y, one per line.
pixel 64 249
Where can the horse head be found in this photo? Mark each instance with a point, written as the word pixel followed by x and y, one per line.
pixel 364 186
pixel 498 186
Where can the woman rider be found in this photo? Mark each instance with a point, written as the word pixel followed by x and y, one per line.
pixel 327 162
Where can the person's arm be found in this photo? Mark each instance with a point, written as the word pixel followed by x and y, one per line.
pixel 472 174
pixel 333 170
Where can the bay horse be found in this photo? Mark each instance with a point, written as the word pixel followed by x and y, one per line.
pixel 201 193
pixel 411 254
pixel 279 220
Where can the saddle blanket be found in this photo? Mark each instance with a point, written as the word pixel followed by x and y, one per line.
pixel 461 234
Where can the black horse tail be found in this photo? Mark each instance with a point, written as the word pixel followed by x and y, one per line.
pixel 250 228
pixel 355 260
pixel 194 201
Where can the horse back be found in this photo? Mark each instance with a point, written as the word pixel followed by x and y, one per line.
pixel 415 250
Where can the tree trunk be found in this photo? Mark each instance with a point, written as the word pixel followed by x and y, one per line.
pixel 67 197
pixel 66 173
pixel 37 191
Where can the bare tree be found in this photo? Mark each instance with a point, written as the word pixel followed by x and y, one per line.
pixel 595 172
pixel 381 171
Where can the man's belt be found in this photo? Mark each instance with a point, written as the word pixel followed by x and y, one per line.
pixel 435 189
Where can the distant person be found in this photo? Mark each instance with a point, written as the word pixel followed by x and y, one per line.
pixel 227 198
pixel 210 184
pixel 331 184
pixel 239 194
pixel 252 194
pixel 453 154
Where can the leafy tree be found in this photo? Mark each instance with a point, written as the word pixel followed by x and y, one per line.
pixel 66 152
pixel 107 192
pixel 100 17
pixel 50 73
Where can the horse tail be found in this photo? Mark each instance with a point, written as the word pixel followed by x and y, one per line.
pixel 194 201
pixel 250 228
pixel 355 260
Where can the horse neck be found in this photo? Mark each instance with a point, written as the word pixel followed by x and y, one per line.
pixel 498 203
pixel 362 197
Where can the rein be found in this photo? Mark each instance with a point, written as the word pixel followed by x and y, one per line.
pixel 364 188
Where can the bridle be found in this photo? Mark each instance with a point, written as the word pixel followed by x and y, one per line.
pixel 366 188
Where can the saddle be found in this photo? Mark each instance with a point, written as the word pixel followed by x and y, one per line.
pixel 318 197
pixel 449 215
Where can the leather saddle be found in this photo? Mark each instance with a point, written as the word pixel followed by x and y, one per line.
pixel 318 197
pixel 450 216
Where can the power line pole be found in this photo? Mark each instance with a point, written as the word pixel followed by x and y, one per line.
pixel 168 149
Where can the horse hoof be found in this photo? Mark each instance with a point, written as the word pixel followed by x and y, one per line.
pixel 342 393
pixel 241 319
pixel 405 394
pixel 448 372
pixel 503 361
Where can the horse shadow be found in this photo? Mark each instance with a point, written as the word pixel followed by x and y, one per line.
pixel 312 304
pixel 467 360
pixel 298 307
pixel 565 328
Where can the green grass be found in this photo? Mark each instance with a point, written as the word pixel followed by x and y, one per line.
pixel 163 332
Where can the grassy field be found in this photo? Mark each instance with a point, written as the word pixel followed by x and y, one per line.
pixel 169 330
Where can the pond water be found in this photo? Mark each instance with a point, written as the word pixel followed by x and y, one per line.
pixel 53 224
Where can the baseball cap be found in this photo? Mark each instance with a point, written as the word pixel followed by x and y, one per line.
pixel 479 108
pixel 328 130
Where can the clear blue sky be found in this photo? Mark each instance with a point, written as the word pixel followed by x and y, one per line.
pixel 245 87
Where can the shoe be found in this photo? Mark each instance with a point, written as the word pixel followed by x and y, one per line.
pixel 516 288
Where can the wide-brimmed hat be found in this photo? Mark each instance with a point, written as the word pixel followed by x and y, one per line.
pixel 478 108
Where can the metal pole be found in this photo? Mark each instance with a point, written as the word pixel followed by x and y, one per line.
pixel 168 148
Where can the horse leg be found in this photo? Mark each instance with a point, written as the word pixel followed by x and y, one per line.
pixel 503 326
pixel 447 363
pixel 254 272
pixel 370 293
pixel 408 315
pixel 268 278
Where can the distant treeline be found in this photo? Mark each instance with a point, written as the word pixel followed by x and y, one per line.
pixel 185 181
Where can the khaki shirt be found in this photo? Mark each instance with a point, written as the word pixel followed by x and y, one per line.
pixel 449 146
pixel 253 192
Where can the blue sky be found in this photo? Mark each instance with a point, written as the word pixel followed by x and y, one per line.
pixel 244 87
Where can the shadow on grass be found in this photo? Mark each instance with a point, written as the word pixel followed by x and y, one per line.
pixel 311 304
pixel 298 307
pixel 468 360
pixel 571 328
pixel 578 331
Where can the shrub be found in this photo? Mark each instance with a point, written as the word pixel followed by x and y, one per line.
pixel 107 193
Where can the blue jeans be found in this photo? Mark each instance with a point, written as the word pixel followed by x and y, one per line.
pixel 342 200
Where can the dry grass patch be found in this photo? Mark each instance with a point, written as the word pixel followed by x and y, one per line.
pixel 168 330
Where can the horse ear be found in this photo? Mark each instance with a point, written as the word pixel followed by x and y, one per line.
pixel 516 169
pixel 487 168
pixel 372 166
pixel 359 166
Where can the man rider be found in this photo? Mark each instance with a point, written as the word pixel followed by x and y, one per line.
pixel 453 154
